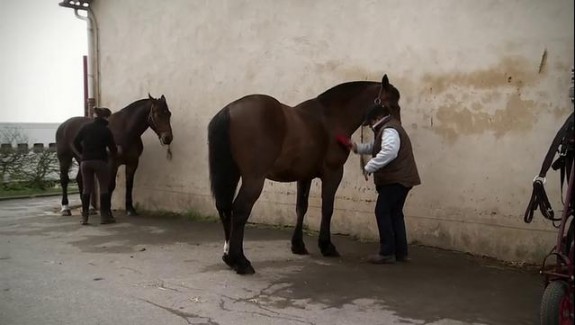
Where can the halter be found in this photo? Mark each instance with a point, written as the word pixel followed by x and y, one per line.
pixel 362 162
pixel 150 118
pixel 377 100
pixel 152 124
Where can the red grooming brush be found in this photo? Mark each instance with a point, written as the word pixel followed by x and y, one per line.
pixel 343 141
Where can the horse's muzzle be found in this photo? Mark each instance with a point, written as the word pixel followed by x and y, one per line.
pixel 166 138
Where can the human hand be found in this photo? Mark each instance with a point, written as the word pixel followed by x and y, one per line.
pixel 366 175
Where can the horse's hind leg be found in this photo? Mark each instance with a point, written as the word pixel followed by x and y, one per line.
pixel 65 163
pixel 250 191
pixel 297 244
pixel 224 206
pixel 329 185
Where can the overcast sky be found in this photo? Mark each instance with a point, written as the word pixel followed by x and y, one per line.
pixel 41 49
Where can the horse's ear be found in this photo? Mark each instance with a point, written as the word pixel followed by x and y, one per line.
pixel 150 96
pixel 384 81
pixel 163 98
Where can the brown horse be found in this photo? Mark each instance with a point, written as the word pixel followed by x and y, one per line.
pixel 127 126
pixel 257 137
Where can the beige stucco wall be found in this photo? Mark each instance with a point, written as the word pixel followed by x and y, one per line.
pixel 484 89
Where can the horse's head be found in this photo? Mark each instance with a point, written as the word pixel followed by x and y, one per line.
pixel 389 98
pixel 159 119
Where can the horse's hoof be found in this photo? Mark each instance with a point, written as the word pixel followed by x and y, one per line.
pixel 228 260
pixel 131 212
pixel 329 251
pixel 66 213
pixel 244 268
pixel 299 250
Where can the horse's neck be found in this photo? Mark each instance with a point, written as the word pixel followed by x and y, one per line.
pixel 135 123
pixel 344 106
pixel 347 118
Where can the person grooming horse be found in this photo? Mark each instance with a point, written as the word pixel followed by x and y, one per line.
pixel 91 143
pixel 394 173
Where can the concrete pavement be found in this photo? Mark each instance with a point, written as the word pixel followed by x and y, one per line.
pixel 154 270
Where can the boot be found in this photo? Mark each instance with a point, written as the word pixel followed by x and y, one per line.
pixel 106 209
pixel 85 208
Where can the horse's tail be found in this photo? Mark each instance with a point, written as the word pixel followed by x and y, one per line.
pixel 224 172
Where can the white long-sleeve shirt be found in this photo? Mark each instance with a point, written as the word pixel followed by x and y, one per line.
pixel 390 144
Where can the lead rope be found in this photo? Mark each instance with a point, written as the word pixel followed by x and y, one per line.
pixel 169 153
pixel 362 157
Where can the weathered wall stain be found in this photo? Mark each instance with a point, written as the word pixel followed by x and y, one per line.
pixel 520 70
pixel 486 100
pixel 455 119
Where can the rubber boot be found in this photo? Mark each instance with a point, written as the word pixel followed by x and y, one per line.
pixel 85 208
pixel 106 209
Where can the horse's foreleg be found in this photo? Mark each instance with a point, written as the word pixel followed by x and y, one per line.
pixel 113 171
pixel 329 186
pixel 250 191
pixel 80 181
pixel 112 180
pixel 65 163
pixel 130 172
pixel 297 243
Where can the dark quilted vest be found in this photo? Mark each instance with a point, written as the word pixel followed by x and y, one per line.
pixel 402 169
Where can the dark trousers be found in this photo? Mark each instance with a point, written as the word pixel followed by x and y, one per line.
pixel 390 223
pixel 98 168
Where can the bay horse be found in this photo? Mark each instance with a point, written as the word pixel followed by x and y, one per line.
pixel 127 126
pixel 257 137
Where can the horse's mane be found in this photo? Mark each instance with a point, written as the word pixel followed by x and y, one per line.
pixel 344 90
pixel 133 106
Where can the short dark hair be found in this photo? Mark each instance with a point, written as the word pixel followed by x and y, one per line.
pixel 102 112
pixel 373 112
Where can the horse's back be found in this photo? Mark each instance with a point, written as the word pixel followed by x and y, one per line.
pixel 257 112
pixel 269 137
pixel 66 133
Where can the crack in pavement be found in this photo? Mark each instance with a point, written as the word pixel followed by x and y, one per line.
pixel 273 294
pixel 275 315
pixel 253 300
pixel 186 316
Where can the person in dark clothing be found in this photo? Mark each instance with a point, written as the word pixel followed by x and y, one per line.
pixel 394 173
pixel 91 143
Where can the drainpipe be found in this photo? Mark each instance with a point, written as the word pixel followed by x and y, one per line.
pixel 93 60
pixel 93 50
pixel 85 84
